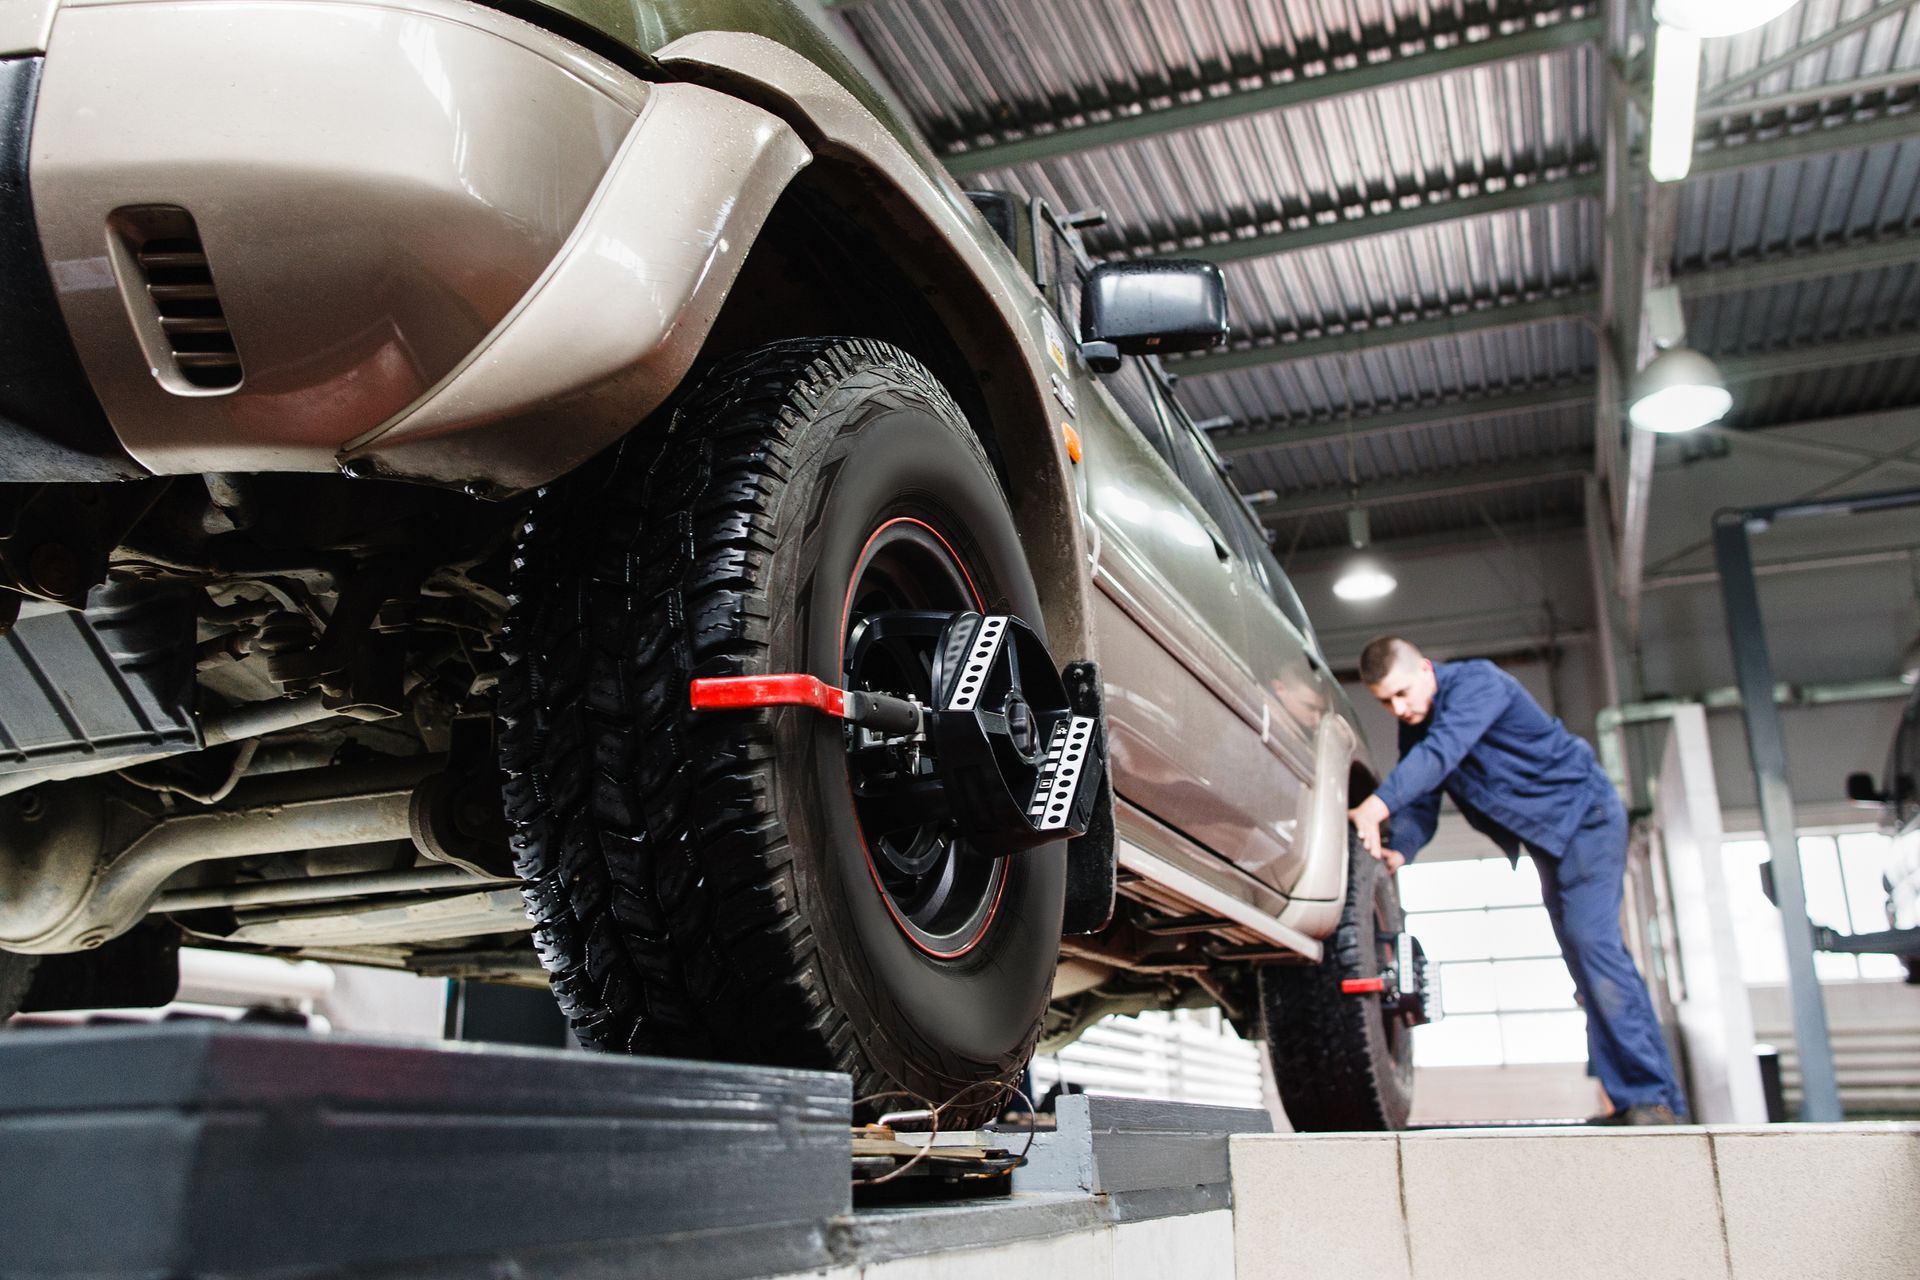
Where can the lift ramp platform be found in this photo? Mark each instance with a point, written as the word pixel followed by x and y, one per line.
pixel 208 1151
pixel 202 1149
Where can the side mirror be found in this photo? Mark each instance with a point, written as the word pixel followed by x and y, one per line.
pixel 1154 307
pixel 1860 789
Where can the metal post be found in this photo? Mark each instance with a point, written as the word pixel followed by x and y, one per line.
pixel 1753 670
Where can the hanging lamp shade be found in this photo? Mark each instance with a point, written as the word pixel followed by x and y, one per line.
pixel 1679 390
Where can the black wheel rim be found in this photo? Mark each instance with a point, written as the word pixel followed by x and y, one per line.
pixel 940 891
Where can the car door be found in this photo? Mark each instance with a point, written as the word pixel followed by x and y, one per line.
pixel 1296 689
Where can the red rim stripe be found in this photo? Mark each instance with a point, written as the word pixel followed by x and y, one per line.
pixel 731 693
pixel 1362 986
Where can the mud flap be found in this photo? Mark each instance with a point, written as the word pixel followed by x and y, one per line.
pixel 1091 865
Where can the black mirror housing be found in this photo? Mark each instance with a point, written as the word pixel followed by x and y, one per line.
pixel 1154 307
pixel 1860 789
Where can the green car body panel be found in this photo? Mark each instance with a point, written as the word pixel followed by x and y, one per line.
pixel 419 288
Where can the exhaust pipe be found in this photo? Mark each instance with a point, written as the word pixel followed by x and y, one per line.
pixel 100 894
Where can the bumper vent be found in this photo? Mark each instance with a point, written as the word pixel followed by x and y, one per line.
pixel 180 304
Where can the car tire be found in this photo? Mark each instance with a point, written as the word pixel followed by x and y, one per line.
pixel 16 977
pixel 701 883
pixel 1341 1062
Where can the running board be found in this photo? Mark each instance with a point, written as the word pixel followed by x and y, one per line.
pixel 1213 899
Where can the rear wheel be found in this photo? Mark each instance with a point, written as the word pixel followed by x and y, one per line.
pixel 1343 1061
pixel 741 885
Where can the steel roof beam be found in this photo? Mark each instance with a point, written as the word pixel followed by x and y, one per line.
pixel 1440 485
pixel 1828 355
pixel 1541 470
pixel 1433 207
pixel 1440 542
pixel 1579 393
pixel 1872 255
pixel 1816 141
pixel 1398 421
pixel 1814 95
pixel 1136 120
pixel 1573 306
pixel 1741 368
pixel 1719 93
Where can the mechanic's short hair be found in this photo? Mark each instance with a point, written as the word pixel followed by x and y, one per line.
pixel 1382 655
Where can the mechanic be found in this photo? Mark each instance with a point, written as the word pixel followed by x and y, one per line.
pixel 1471 730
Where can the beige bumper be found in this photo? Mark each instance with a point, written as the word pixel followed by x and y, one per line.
pixel 446 244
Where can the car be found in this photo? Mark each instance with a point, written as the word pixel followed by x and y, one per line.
pixel 1898 799
pixel 573 494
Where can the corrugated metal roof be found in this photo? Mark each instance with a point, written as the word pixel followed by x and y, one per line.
pixel 978 72
pixel 1888 43
pixel 1452 132
pixel 1384 379
pixel 1825 393
pixel 1550 504
pixel 1475 442
pixel 973 71
pixel 1822 201
pixel 1819 310
pixel 1503 257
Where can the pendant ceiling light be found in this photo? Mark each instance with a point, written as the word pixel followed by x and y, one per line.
pixel 1364 577
pixel 1679 390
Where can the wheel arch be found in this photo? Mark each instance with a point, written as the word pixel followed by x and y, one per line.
pixel 935 282
pixel 1339 774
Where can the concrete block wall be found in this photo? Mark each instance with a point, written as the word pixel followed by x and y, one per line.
pixel 1581 1204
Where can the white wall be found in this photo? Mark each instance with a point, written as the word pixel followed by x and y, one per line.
pixel 1515 600
pixel 1830 625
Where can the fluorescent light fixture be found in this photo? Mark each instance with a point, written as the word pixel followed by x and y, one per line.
pixel 1682 25
pixel 1364 579
pixel 1676 96
pixel 1713 18
pixel 1679 390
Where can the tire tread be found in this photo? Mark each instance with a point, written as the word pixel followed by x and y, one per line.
pixel 1326 1057
pixel 659 879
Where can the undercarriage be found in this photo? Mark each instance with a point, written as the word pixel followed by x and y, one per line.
pixel 274 744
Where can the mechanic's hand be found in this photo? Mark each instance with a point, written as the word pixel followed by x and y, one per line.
pixel 1393 858
pixel 1366 818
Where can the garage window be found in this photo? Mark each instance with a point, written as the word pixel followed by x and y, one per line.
pixel 1843 871
pixel 1504 989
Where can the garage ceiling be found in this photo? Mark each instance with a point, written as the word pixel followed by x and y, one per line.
pixel 1410 202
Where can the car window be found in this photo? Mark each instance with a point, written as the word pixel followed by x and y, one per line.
pixel 1284 595
pixel 1063 267
pixel 1196 466
pixel 997 208
pixel 1200 468
pixel 1129 387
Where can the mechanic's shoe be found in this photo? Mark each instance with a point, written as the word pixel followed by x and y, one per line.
pixel 1648 1113
pixel 1639 1113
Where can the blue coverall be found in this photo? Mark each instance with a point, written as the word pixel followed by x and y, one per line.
pixel 1522 780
